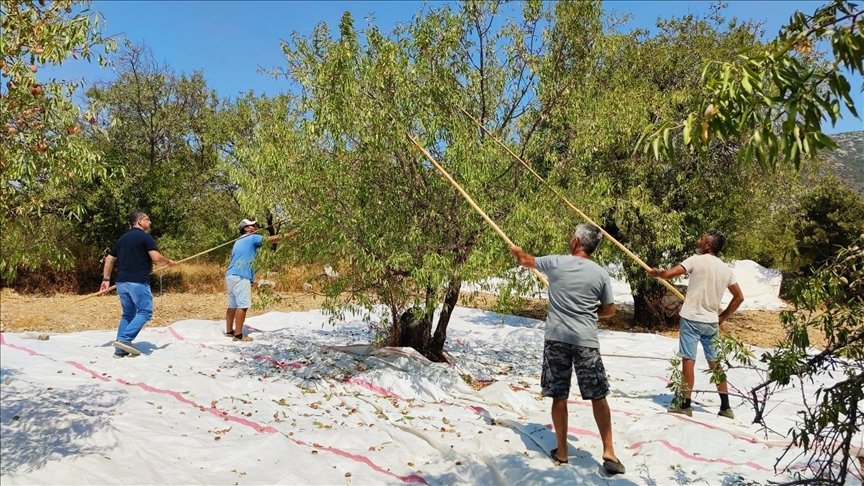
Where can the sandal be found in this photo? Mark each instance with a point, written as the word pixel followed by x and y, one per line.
pixel 555 459
pixel 241 337
pixel 613 467
pixel 228 334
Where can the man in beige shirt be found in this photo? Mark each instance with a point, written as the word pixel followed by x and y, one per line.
pixel 701 318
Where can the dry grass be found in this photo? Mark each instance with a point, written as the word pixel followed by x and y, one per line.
pixel 64 312
pixel 759 328
pixel 208 278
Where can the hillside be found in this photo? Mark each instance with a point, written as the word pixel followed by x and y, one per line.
pixel 848 160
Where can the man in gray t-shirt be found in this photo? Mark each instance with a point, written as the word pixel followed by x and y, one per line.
pixel 580 292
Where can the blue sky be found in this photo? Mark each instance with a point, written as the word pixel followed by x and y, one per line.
pixel 230 40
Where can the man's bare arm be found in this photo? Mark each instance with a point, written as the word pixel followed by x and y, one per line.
pixel 606 310
pixel 737 299
pixel 106 272
pixel 669 273
pixel 525 259
pixel 157 258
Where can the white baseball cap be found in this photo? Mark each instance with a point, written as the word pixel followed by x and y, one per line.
pixel 247 222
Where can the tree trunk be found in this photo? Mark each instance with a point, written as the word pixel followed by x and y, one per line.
pixel 654 307
pixel 450 300
pixel 415 331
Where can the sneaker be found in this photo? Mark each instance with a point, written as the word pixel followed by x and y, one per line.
pixel 683 411
pixel 127 347
pixel 726 413
pixel 242 337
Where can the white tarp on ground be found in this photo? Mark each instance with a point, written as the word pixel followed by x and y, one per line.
pixel 307 403
pixel 760 285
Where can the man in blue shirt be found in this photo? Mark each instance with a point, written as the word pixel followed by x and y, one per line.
pixel 239 277
pixel 135 253
pixel 580 292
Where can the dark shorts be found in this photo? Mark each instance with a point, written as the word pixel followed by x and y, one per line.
pixel 559 360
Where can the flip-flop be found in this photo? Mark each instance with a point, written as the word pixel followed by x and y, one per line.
pixel 242 337
pixel 229 334
pixel 613 467
pixel 555 459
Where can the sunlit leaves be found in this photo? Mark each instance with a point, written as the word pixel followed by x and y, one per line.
pixel 775 102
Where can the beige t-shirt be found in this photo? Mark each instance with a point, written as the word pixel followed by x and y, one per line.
pixel 709 278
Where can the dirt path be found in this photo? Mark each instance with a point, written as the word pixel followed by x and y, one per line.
pixel 63 313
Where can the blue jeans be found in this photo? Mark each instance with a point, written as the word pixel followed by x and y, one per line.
pixel 137 304
pixel 690 333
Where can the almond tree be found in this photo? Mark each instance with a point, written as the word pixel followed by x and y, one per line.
pixel 42 152
pixel 337 161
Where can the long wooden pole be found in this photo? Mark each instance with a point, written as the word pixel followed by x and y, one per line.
pixel 473 204
pixel 178 262
pixel 574 208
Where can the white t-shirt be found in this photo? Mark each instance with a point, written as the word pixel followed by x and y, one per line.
pixel 709 278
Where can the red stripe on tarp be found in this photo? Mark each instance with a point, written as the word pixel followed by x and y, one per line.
pixel 692 457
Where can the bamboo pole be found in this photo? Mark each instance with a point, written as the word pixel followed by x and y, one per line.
pixel 473 204
pixel 109 289
pixel 574 208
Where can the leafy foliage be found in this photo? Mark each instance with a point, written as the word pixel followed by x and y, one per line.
pixel 42 151
pixel 774 102
pixel 831 217
pixel 161 139
pixel 658 208
pixel 344 168
pixel 832 302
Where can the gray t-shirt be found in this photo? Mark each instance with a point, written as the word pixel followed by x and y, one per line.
pixel 577 287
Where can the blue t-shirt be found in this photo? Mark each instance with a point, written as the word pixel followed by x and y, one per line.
pixel 242 255
pixel 133 258
pixel 577 287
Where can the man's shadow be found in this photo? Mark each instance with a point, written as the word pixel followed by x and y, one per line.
pixel 145 347
pixel 540 438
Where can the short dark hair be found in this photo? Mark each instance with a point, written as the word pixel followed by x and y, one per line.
pixel 717 240
pixel 134 216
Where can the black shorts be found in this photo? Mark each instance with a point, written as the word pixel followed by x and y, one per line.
pixel 559 360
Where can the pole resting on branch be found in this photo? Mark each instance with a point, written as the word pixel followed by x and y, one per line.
pixel 570 205
pixel 471 202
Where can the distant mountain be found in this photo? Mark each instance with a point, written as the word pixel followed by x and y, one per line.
pixel 847 160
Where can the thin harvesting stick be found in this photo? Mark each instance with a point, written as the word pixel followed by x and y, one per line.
pixel 468 198
pixel 178 262
pixel 569 204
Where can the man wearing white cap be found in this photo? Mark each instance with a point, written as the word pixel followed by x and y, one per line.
pixel 239 277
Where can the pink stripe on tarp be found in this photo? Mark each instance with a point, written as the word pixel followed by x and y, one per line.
pixel 477 410
pixel 247 326
pixel 692 457
pixel 22 348
pixel 176 335
pixel 213 410
pixel 413 478
pixel 714 427
pixel 88 370
pixel 373 388
pixel 588 404
pixel 574 430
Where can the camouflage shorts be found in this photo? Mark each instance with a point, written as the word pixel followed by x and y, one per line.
pixel 559 360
